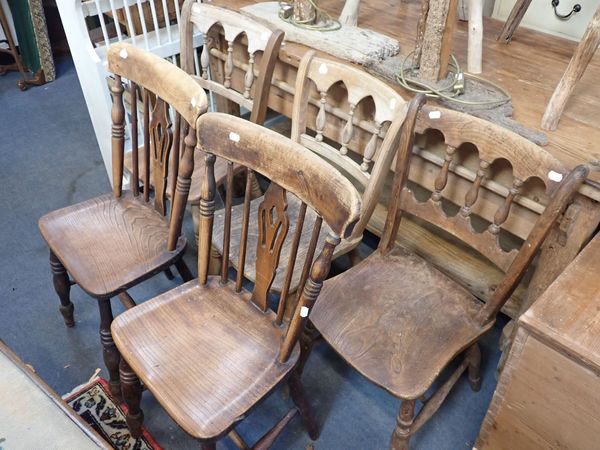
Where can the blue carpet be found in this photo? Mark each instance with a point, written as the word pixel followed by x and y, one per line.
pixel 49 158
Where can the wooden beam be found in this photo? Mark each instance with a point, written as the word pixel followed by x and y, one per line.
pixel 435 34
pixel 475 49
pixel 579 62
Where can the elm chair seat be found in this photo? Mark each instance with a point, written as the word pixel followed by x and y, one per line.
pixel 109 244
pixel 397 320
pixel 224 345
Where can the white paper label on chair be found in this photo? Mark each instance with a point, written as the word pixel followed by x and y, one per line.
pixel 304 311
pixel 265 35
pixel 392 103
pixel 323 69
pixel 435 114
pixel 555 176
pixel 123 53
pixel 234 137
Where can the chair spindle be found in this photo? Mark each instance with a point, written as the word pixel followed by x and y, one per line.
pixel 291 264
pixel 206 211
pixel 321 117
pixel 249 78
pixel 135 172
pixel 502 213
pixel 473 192
pixel 348 130
pixel 147 145
pixel 182 187
pixel 227 225
pixel 244 236
pixel 370 148
pixel 442 179
pixel 310 254
pixel 118 134
pixel 205 58
pixel 228 65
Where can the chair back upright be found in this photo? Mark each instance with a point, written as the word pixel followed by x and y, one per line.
pixel 529 166
pixel 168 95
pixel 369 105
pixel 291 169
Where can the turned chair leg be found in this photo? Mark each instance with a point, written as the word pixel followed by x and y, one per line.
pixel 184 270
pixel 404 422
pixel 474 358
pixel 62 286
pixel 301 402
pixel 168 274
pixel 110 353
pixel 132 395
pixel 308 339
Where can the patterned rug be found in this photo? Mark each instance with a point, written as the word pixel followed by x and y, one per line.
pixel 94 404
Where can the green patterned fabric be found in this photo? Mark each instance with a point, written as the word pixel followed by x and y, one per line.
pixel 32 34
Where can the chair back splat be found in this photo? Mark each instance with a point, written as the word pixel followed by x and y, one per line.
pixel 304 174
pixel 247 78
pixel 165 95
pixel 381 111
pixel 509 167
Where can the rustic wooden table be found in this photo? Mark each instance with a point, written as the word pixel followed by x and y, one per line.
pixel 32 415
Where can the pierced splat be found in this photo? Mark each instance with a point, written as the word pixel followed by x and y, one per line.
pixel 348 130
pixel 249 78
pixel 228 65
pixel 473 192
pixel 371 148
pixel 321 117
pixel 161 139
pixel 273 224
pixel 442 179
pixel 502 213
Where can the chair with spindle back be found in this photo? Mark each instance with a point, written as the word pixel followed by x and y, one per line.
pixel 113 242
pixel 210 350
pixel 400 321
pixel 382 113
pixel 227 69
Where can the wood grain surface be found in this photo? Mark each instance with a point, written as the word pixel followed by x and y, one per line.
pixel 108 243
pixel 205 352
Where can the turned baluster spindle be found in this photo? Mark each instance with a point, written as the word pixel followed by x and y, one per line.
pixel 118 134
pixel 249 78
pixel 204 59
pixel 502 213
pixel 228 65
pixel 320 121
pixel 473 192
pixel 370 148
pixel 442 179
pixel 348 130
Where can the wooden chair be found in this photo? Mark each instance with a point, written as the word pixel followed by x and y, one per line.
pixel 367 167
pixel 218 59
pixel 113 242
pixel 211 350
pixel 400 321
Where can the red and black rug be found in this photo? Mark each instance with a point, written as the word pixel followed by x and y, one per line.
pixel 95 405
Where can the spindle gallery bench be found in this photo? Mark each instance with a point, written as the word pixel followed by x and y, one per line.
pixel 438 133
